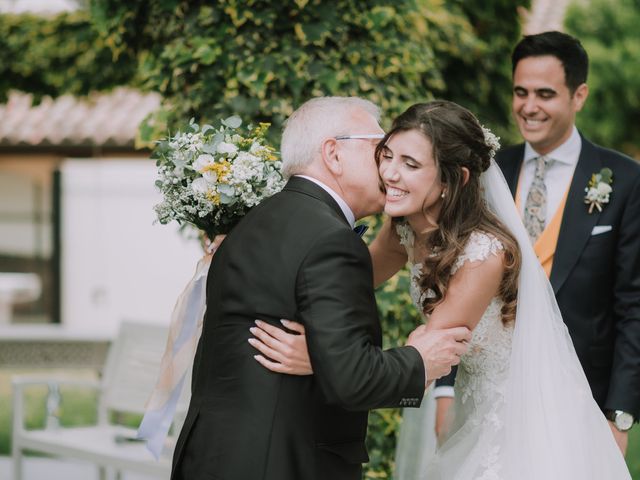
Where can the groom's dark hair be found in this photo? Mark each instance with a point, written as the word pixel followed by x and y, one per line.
pixel 564 47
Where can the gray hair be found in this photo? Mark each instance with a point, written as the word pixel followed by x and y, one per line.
pixel 312 123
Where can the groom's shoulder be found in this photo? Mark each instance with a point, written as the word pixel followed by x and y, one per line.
pixel 615 159
pixel 510 154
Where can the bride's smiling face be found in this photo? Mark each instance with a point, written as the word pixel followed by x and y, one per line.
pixel 411 177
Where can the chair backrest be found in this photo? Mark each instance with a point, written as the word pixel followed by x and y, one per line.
pixel 132 368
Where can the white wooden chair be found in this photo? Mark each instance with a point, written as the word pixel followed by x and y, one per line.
pixel 129 376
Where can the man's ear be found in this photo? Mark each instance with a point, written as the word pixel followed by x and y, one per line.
pixel 329 151
pixel 580 96
pixel 465 175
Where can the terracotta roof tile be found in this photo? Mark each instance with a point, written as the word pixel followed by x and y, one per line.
pixel 101 119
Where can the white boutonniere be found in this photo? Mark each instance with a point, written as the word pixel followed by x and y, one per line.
pixel 599 189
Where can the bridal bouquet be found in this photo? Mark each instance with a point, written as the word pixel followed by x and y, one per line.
pixel 210 177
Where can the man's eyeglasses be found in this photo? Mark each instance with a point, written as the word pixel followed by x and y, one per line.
pixel 366 136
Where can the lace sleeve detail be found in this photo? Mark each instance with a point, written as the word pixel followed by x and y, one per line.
pixel 478 248
pixel 406 235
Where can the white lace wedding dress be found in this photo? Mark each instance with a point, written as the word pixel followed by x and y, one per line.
pixel 480 378
pixel 479 446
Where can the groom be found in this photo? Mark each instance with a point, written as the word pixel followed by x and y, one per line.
pixel 592 255
pixel 295 256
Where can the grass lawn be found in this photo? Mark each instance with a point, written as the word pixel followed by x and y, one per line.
pixel 633 454
pixel 79 407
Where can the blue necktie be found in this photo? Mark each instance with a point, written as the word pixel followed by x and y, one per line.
pixel 360 229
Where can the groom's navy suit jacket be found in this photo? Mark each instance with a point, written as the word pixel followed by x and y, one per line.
pixel 296 257
pixel 596 278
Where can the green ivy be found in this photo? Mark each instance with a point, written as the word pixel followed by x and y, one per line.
pixel 261 60
pixel 609 32
pixel 54 56
pixel 480 78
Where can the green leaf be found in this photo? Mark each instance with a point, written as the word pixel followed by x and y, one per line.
pixel 224 189
pixel 606 175
pixel 209 148
pixel 232 122
pixel 217 139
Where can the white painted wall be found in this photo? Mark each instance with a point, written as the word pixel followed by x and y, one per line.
pixel 116 263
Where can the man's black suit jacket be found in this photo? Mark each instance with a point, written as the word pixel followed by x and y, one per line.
pixel 596 278
pixel 294 256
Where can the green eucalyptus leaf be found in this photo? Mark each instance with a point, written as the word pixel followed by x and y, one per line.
pixel 224 189
pixel 209 148
pixel 606 175
pixel 226 199
pixel 217 139
pixel 233 121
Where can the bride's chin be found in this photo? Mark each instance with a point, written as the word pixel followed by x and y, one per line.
pixel 393 212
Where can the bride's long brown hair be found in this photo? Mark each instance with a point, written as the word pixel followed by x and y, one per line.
pixel 458 141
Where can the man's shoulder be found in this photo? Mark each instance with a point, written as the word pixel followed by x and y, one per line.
pixel 613 158
pixel 510 154
pixel 625 170
pixel 300 217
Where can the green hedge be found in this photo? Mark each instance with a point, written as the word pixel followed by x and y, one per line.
pixel 54 56
pixel 262 59
pixel 610 34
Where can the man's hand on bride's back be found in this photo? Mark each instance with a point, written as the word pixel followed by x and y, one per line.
pixel 439 349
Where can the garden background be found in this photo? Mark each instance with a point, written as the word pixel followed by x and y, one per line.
pixel 261 59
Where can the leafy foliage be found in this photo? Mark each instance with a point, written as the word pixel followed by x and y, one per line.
pixel 260 59
pixel 55 56
pixel 480 78
pixel 609 32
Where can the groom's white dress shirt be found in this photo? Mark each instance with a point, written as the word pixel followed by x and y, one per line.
pixel 558 176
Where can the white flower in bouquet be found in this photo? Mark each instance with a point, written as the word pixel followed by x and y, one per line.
pixel 211 177
pixel 229 149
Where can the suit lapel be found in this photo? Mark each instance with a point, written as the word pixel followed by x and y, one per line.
pixel 510 162
pixel 577 222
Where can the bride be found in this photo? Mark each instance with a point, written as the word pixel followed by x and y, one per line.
pixel 523 408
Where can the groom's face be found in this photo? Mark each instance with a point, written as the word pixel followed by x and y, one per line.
pixel 543 105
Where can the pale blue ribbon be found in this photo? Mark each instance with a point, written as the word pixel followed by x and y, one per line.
pixel 184 332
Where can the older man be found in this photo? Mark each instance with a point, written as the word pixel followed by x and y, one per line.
pixel 296 256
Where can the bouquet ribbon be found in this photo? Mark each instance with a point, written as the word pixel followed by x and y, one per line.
pixel 184 332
